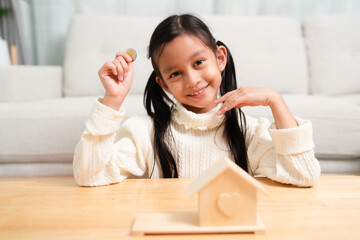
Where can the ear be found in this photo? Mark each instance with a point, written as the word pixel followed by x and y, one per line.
pixel 221 57
pixel 162 84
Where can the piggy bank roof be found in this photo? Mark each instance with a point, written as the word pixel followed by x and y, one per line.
pixel 218 168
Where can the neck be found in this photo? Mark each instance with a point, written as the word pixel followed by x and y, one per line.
pixel 201 110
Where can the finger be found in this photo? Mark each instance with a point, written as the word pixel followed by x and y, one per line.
pixel 126 56
pixel 224 97
pixel 221 99
pixel 119 70
pixel 222 110
pixel 113 68
pixel 124 65
pixel 130 69
pixel 232 102
pixel 108 66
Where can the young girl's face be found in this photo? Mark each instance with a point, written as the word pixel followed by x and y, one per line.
pixel 191 72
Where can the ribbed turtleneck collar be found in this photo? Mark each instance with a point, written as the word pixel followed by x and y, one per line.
pixel 201 121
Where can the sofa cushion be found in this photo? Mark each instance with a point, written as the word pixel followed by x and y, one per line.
pixel 24 83
pixel 93 41
pixel 333 43
pixel 42 131
pixel 336 123
pixel 48 131
pixel 268 51
pixel 354 98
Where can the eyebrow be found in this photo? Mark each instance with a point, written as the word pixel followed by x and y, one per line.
pixel 197 53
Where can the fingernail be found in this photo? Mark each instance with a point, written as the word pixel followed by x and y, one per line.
pixel 126 74
pixel 121 78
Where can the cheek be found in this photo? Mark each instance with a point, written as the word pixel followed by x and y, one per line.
pixel 175 88
pixel 217 82
pixel 215 76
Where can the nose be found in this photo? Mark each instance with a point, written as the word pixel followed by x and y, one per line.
pixel 192 79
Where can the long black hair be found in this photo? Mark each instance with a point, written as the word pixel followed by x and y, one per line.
pixel 159 106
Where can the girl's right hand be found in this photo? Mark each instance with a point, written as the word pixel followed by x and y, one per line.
pixel 116 77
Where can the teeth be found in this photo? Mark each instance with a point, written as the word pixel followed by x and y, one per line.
pixel 197 93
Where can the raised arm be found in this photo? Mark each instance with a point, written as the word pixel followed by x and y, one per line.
pixel 282 151
pixel 99 158
pixel 116 77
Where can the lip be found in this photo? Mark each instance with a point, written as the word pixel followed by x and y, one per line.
pixel 199 93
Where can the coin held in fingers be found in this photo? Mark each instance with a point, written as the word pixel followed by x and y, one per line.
pixel 132 53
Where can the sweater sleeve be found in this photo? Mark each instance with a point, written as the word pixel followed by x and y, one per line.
pixel 284 155
pixel 101 160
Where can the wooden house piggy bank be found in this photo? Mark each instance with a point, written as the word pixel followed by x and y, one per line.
pixel 227 204
pixel 227 197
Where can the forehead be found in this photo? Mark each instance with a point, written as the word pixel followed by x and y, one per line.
pixel 181 50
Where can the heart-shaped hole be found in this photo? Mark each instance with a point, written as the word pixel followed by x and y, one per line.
pixel 229 203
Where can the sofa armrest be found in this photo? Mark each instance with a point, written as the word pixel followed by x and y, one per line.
pixel 30 83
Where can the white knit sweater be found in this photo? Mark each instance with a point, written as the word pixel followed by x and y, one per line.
pixel 109 152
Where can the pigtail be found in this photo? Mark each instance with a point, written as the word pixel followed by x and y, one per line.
pixel 157 105
pixel 235 132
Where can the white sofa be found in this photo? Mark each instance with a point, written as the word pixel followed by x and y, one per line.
pixel 315 64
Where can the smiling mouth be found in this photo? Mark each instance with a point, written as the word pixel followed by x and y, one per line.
pixel 198 92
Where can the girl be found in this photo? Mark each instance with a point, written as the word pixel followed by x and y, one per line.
pixel 185 134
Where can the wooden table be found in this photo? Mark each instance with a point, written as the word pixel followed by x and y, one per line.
pixel 56 208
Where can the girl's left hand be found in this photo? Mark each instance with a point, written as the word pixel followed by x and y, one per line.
pixel 247 96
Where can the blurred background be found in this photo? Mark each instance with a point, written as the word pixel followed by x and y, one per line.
pixel 308 50
pixel 34 31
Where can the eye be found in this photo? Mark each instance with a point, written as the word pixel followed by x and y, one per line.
pixel 198 62
pixel 174 74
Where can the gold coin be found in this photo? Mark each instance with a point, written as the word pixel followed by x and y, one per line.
pixel 132 53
